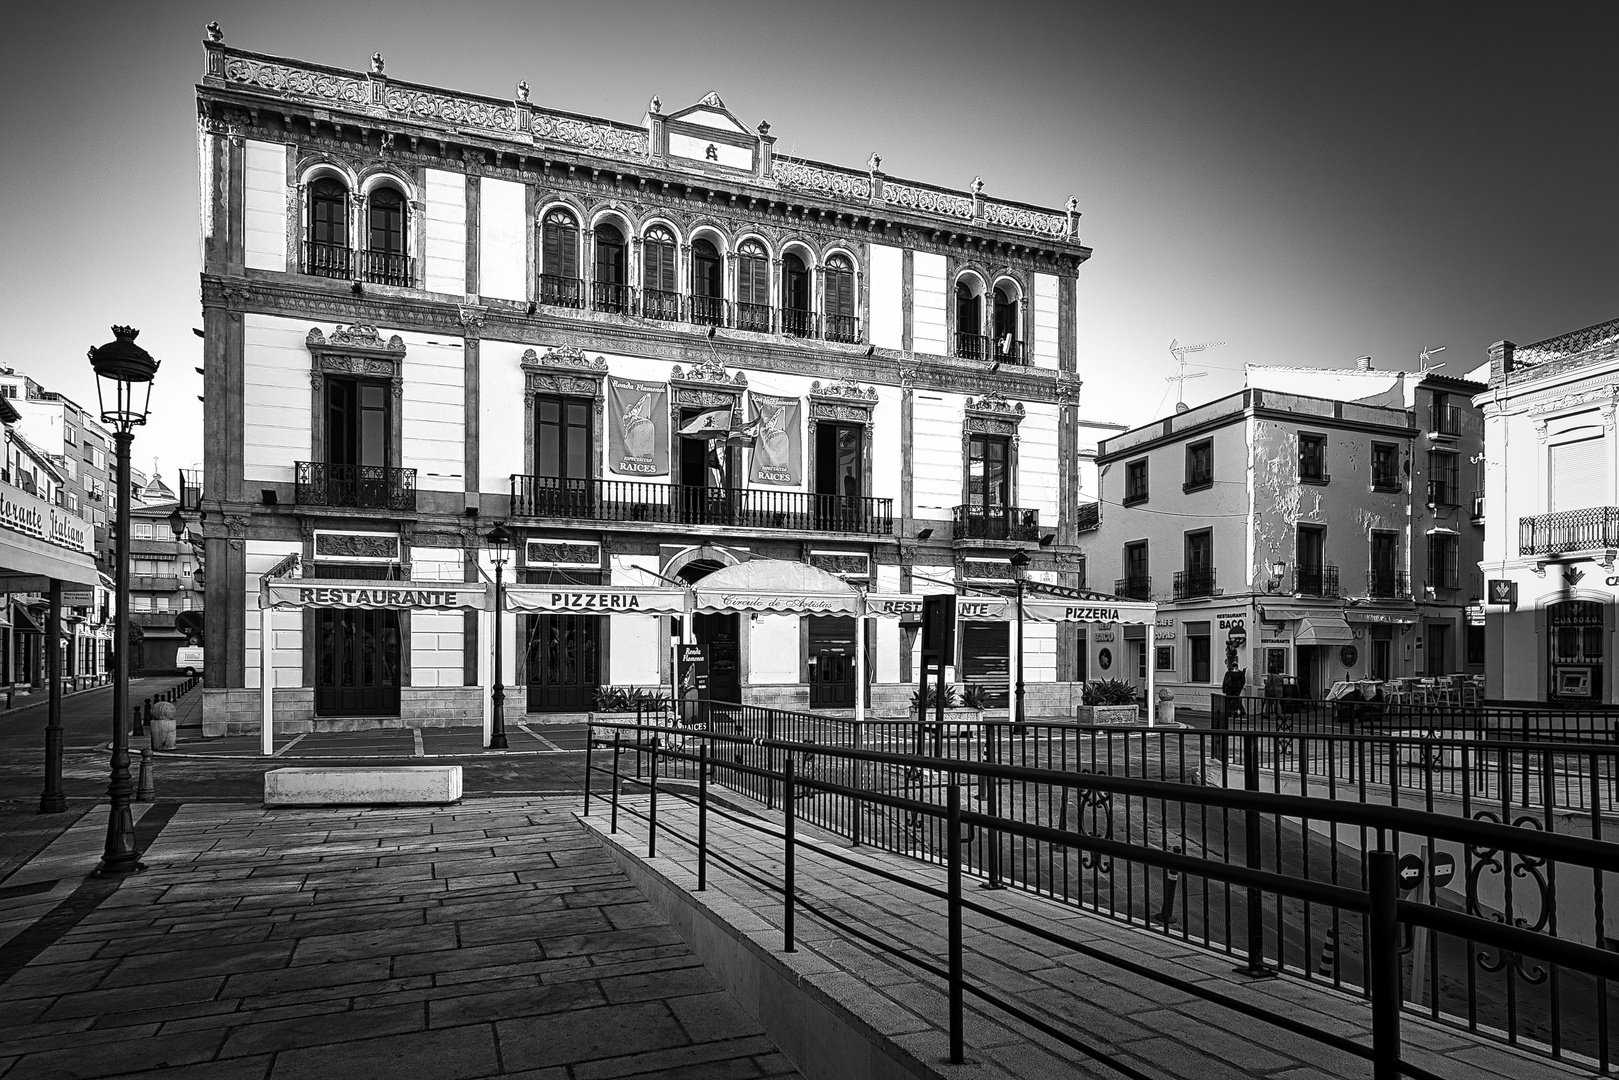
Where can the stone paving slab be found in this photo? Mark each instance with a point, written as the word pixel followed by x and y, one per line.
pixel 489 939
pixel 1157 1029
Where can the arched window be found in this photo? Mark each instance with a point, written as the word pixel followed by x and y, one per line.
pixel 707 290
pixel 1008 333
pixel 752 287
pixel 796 317
pixel 559 259
pixel 660 295
pixel 840 320
pixel 971 342
pixel 610 291
pixel 326 243
pixel 384 260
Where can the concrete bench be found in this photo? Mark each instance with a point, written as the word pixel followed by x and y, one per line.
pixel 399 785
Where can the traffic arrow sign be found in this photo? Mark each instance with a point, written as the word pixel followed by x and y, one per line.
pixel 1444 868
pixel 1410 871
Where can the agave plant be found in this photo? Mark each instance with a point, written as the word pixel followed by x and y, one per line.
pixel 1108 692
pixel 951 699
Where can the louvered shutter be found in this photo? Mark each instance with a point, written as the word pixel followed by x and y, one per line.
pixel 660 266
pixel 1579 475
pixel 561 254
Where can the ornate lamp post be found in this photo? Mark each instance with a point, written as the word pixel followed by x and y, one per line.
pixel 124 374
pixel 500 546
pixel 1020 574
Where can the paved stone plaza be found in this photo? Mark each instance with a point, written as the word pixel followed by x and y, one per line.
pixel 488 939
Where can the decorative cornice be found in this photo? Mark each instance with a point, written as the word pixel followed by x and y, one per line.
pixel 356 338
pixel 472 316
pixel 709 371
pixel 995 405
pixel 564 356
pixel 846 390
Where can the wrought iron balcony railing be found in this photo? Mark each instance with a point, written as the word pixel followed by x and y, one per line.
pixel 796 323
pixel 560 291
pixel 1190 584
pixel 1133 588
pixel 1316 581
pixel 754 317
pixel 1445 419
pixel 679 504
pixel 328 260
pixel 610 296
pixel 1591 529
pixel 1386 584
pixel 996 523
pixel 1012 352
pixel 371 487
pixel 387 268
pixel 844 328
pixel 1442 491
pixel 707 310
pixel 971 346
pixel 660 304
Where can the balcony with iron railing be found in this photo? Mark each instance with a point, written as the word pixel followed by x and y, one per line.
pixel 755 318
pixel 1316 581
pixel 1592 529
pixel 1014 523
pixel 617 299
pixel 970 346
pixel 1133 588
pixel 372 487
pixel 1445 420
pixel 154 583
pixel 1477 511
pixel 800 324
pixel 559 291
pixel 1442 490
pixel 1191 584
pixel 1386 584
pixel 707 310
pixel 842 328
pixel 387 268
pixel 328 260
pixel 1010 352
pixel 640 502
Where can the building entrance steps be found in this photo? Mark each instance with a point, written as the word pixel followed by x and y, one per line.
pixel 841 1007
pixel 488 939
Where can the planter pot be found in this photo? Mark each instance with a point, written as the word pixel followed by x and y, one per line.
pixel 1107 714
pixel 162 728
pixel 958 723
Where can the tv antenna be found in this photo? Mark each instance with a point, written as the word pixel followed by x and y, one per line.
pixel 1179 352
pixel 1426 358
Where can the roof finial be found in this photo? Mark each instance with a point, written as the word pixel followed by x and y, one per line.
pixel 522 90
pixel 656 105
pixel 874 162
pixel 214 32
pixel 376 63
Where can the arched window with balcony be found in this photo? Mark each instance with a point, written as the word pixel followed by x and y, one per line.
pixel 752 287
pixel 660 295
pixel 971 341
pixel 326 240
pixel 610 291
pixel 1008 330
pixel 707 288
pixel 559 259
pixel 796 317
pixel 838 309
pixel 384 261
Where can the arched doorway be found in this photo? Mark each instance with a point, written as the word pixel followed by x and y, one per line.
pixel 721 634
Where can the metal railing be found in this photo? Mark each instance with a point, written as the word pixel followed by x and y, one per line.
pixel 660 304
pixel 328 260
pixel 1428 709
pixel 560 291
pixel 1316 581
pixel 1313 858
pixel 1477 512
pixel 1442 489
pixel 754 317
pixel 1445 419
pixel 707 310
pixel 1133 588
pixel 842 328
pixel 678 504
pixel 801 324
pixel 1388 584
pixel 996 523
pixel 1193 583
pixel 1569 530
pixel 1012 352
pixel 387 268
pixel 613 297
pixel 366 486
pixel 970 346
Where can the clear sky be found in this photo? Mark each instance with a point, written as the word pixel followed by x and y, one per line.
pixel 1305 182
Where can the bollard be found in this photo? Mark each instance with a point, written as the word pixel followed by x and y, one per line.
pixel 1383 943
pixel 146 716
pixel 613 827
pixel 1172 880
pixel 1328 965
pixel 652 808
pixel 702 817
pixel 135 721
pixel 590 743
pixel 145 790
pixel 788 799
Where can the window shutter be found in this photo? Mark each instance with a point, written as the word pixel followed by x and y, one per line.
pixel 1579 475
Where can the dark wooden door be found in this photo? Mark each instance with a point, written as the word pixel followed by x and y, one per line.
pixel 720 634
pixel 357 669
pixel 985 659
pixel 831 662
pixel 563 669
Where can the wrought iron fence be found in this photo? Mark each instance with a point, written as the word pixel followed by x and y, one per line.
pixel 707 310
pixel 1133 588
pixel 1278 849
pixel 754 317
pixel 796 323
pixel 1386 584
pixel 842 328
pixel 610 296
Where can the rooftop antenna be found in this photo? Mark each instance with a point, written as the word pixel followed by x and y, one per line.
pixel 1179 352
pixel 1425 357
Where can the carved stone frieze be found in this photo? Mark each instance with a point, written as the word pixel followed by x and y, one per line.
pixel 927 200
pixel 336 545
pixel 563 356
pixel 583 133
pixel 996 406
pixel 851 564
pixel 562 553
pixel 709 371
pixel 840 410
pixel 450 109
pixel 545 382
pixel 1017 217
pixel 472 316
pixel 1606 395
pixel 706 399
pixel 356 337
pixel 845 389
pixel 282 79
pixel 833 184
pixel 989 425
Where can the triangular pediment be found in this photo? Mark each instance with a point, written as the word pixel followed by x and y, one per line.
pixel 711 112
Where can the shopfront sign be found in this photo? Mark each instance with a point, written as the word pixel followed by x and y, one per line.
pixel 395 595
pixel 587 601
pixel 33 516
pixel 904 608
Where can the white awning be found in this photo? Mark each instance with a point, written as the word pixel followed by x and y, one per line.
pixel 1059 609
pixel 1323 630
pixel 397 595
pixel 592 600
pixel 1399 617
pixel 775 585
pixel 903 606
pixel 23 557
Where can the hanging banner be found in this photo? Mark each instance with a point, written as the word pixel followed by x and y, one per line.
pixel 901 606
pixel 1059 609
pixel 595 601
pixel 638 431
pixel 778 448
pixel 399 595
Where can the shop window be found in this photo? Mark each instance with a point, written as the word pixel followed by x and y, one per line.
pixel 1164 658
pixel 1312 459
pixel 1199 465
pixel 1135 482
pixel 1276 661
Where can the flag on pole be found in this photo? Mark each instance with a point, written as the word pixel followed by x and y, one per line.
pixel 743 436
pixel 708 424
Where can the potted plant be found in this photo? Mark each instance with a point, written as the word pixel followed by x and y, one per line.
pixel 963 707
pixel 1107 701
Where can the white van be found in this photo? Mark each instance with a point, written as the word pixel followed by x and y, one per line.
pixel 188 660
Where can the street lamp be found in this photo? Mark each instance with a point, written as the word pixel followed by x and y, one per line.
pixel 500 546
pixel 177 523
pixel 1020 574
pixel 124 375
